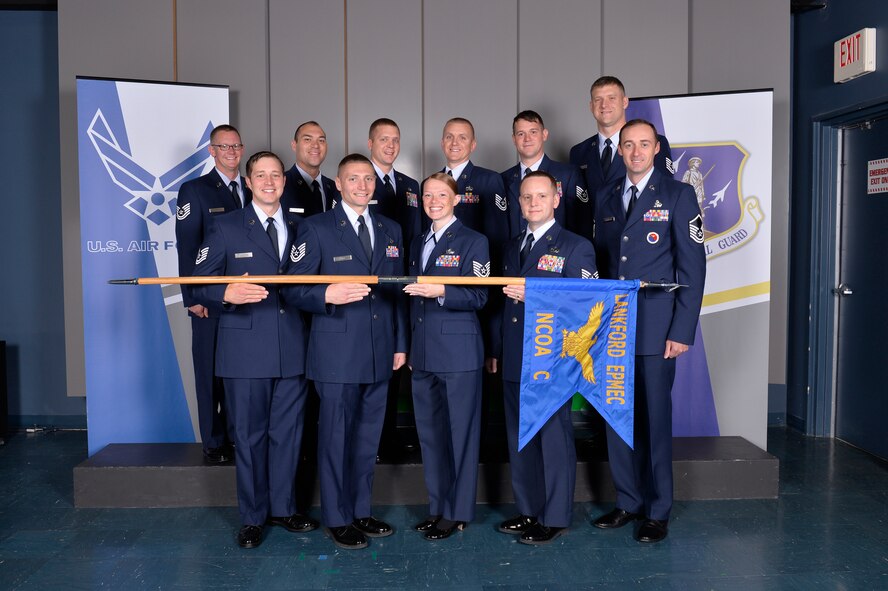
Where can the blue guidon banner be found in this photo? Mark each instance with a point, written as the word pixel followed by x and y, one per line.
pixel 138 142
pixel 579 337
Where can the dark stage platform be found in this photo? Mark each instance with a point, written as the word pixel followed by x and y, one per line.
pixel 175 475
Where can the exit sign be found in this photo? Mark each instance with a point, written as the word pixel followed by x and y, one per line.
pixel 854 55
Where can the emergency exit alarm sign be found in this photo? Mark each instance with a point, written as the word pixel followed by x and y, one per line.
pixel 854 55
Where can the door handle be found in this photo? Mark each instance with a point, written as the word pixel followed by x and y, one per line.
pixel 843 290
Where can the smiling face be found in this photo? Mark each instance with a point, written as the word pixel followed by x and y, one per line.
pixel 608 106
pixel 539 199
pixel 227 160
pixel 356 181
pixel 638 146
pixel 438 201
pixel 457 143
pixel 310 147
pixel 266 180
pixel 529 138
pixel 384 146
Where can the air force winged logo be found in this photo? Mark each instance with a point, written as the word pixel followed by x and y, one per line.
pixel 727 219
pixel 578 343
pixel 153 196
pixel 183 211
pixel 202 255
pixel 501 202
pixel 481 270
pixel 297 252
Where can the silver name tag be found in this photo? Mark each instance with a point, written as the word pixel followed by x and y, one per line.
pixel 243 255
pixel 297 210
pixel 346 257
pixel 373 202
pixel 217 210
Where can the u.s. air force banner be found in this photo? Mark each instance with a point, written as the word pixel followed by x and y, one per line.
pixel 138 142
pixel 579 337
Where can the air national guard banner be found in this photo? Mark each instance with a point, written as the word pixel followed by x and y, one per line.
pixel 579 337
pixel 138 142
pixel 721 145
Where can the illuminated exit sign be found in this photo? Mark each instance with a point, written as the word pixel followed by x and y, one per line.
pixel 854 55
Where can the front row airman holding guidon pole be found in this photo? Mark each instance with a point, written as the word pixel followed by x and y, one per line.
pixel 446 356
pixel 647 226
pixel 260 353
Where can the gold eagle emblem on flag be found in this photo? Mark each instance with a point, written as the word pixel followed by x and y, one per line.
pixel 577 343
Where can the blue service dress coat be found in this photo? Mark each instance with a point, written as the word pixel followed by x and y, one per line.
pixel 586 157
pixel 447 354
pixel 199 202
pixel 298 197
pixel 260 354
pixel 483 205
pixel 350 353
pixel 544 471
pixel 574 206
pixel 661 241
pixel 405 208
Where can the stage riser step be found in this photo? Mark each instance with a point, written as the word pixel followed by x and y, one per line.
pixel 163 475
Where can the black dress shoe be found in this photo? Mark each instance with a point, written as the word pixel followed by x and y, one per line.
pixel 616 518
pixel 372 527
pixel 516 525
pixel 652 530
pixel 444 528
pixel 249 536
pixel 430 522
pixel 295 523
pixel 217 455
pixel 347 537
pixel 538 534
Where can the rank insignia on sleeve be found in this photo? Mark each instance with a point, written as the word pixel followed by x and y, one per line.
pixel 481 270
pixel 392 252
pixel 552 263
pixel 582 195
pixel 584 274
pixel 297 252
pixel 412 199
pixel 447 260
pixel 696 229
pixel 202 255
pixel 183 212
pixel 501 202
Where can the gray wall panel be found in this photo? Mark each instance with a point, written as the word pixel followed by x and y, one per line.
pixel 559 54
pixel 225 42
pixel 385 74
pixel 114 39
pixel 307 49
pixel 471 71
pixel 646 45
pixel 738 45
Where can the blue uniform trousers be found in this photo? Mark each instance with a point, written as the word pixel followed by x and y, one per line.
pixel 349 427
pixel 267 418
pixel 645 473
pixel 544 472
pixel 447 408
pixel 210 394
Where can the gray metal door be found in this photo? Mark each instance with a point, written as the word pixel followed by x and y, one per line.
pixel 862 293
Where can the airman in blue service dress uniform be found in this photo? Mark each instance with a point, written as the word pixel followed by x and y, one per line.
pixel 358 337
pixel 447 355
pixel 396 197
pixel 544 471
pixel 648 226
pixel 307 191
pixel 597 155
pixel 198 203
pixel 483 205
pixel 529 134
pixel 260 353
